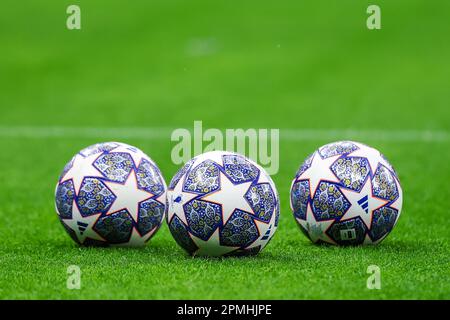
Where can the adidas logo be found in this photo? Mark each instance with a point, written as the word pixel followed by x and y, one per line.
pixel 82 226
pixel 364 203
pixel 266 235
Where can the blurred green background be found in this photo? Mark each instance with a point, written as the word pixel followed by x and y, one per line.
pixel 136 70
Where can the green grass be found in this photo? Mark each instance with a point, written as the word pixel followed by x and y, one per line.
pixel 285 65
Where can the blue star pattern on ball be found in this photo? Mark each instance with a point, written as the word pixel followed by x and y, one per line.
pixel 203 217
pixel 329 202
pixel 65 195
pixel 351 171
pixel 94 197
pixel 261 200
pixel 111 194
pixel 151 213
pixel 335 149
pixel 384 185
pixel 384 220
pixel 114 166
pixel 149 178
pixel 240 231
pixel 115 228
pixel 203 178
pixel 239 169
pixel 300 195
pixel 222 203
pixel 346 193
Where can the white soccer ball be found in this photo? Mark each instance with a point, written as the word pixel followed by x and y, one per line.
pixel 221 203
pixel 346 193
pixel 111 194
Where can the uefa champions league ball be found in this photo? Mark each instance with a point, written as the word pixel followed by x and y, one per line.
pixel 111 194
pixel 346 193
pixel 221 203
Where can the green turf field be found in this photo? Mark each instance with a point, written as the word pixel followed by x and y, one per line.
pixel 138 69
